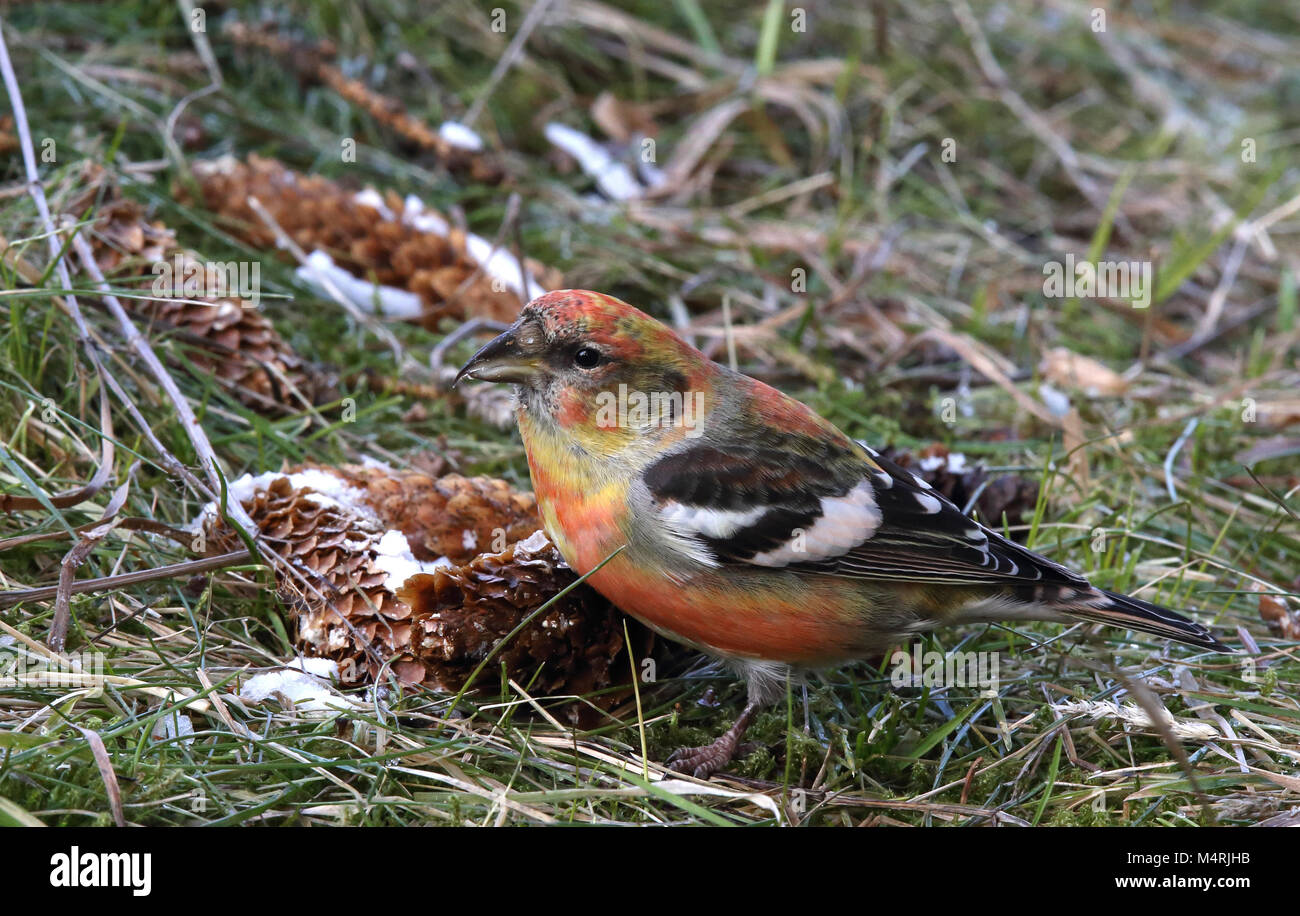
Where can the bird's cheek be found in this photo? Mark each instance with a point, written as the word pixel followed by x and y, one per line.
pixel 571 409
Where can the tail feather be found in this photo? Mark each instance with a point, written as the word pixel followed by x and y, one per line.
pixel 1136 614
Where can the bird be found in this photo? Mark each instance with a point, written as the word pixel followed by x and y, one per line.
pixel 728 516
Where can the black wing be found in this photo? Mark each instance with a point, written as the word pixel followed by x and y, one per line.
pixel 790 500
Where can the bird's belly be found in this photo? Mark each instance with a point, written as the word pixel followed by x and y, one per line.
pixel 739 616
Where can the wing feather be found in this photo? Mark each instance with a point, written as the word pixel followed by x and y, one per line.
pixel 801 502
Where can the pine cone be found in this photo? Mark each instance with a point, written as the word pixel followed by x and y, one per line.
pixel 345 609
pixel 371 237
pixel 459 615
pixel 230 338
pixel 369 547
pixel 453 516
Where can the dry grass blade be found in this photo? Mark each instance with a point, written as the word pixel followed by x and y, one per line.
pixel 106 773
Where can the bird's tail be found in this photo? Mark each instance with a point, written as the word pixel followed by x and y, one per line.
pixel 1135 614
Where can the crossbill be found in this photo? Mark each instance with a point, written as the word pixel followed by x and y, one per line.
pixel 751 528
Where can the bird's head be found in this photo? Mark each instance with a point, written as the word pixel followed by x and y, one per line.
pixel 605 373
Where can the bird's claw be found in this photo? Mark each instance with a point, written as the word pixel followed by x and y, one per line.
pixel 703 762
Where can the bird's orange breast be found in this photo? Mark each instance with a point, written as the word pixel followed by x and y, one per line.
pixel 758 614
pixel 746 612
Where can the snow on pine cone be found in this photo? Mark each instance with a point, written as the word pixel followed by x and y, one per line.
pixel 450 516
pixel 427 574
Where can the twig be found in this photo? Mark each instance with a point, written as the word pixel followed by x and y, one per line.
pixel 12 503
pixel 37 192
pixel 506 61
pixel 507 218
pixel 198 438
pixel 466 329
pixel 1160 723
pixel 91 344
pixel 131 523
pixel 77 555
pixel 1173 453
pixel 1219 298
pixel 215 82
pixel 101 583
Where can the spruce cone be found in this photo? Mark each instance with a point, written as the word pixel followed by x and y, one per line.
pixel 371 237
pixel 458 615
pixel 231 339
pixel 365 546
pixel 345 608
pixel 453 516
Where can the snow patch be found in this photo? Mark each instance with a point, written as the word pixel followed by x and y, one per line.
pixel 393 302
pixel 954 463
pixel 459 135
pixel 614 179
pixel 375 201
pixel 393 556
pixel 1058 402
pixel 325 668
pixel 498 264
pixel 173 725
pixel 535 542
pixel 329 491
pixel 370 461
pixel 309 694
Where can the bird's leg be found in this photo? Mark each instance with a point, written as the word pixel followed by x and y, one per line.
pixel 703 762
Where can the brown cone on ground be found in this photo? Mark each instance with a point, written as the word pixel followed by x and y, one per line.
pixel 225 336
pixel 459 615
pixel 433 628
pixel 374 243
pixel 451 516
pixel 344 608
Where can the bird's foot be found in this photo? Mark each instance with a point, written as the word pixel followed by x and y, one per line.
pixel 703 762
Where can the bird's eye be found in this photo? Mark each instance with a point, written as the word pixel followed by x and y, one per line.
pixel 587 358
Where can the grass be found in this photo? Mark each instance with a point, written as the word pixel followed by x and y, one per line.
pixel 1122 157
